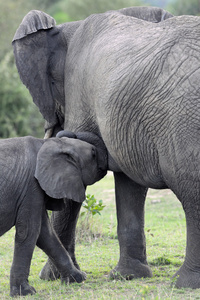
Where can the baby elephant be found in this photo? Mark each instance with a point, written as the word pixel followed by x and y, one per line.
pixel 37 174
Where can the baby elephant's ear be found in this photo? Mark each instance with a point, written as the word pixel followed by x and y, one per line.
pixel 54 204
pixel 57 171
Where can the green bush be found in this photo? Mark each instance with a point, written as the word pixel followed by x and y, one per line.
pixel 18 114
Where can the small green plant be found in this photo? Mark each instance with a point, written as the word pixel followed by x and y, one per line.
pixel 87 229
pixel 92 206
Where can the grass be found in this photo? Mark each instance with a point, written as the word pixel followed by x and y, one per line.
pixel 98 252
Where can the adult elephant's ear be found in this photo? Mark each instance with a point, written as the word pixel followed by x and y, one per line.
pixel 31 51
pixel 35 20
pixel 57 171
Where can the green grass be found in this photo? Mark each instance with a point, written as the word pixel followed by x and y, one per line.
pixel 97 252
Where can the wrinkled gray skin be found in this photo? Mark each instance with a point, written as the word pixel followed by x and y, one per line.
pixel 63 168
pixel 136 85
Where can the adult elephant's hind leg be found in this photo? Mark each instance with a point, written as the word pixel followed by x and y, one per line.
pixel 130 199
pixel 188 276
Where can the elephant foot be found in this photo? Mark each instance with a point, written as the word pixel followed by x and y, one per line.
pixel 77 276
pixel 130 269
pixel 22 290
pixel 186 278
pixel 49 272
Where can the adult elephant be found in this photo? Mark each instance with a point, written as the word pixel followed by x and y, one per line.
pixel 136 85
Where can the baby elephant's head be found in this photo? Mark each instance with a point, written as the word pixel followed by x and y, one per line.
pixel 65 166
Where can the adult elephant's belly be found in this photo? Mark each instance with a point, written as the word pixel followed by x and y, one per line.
pixel 7 217
pixel 148 178
pixel 137 157
pixel 142 170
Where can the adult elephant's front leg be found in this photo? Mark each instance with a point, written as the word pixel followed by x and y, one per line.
pixel 64 223
pixel 130 199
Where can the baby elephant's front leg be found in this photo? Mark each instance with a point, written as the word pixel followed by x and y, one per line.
pixel 21 289
pixel 51 245
pixel 25 241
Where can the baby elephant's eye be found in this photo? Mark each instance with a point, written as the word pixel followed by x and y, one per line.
pixel 93 152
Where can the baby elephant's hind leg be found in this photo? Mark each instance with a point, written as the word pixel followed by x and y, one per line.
pixel 51 245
